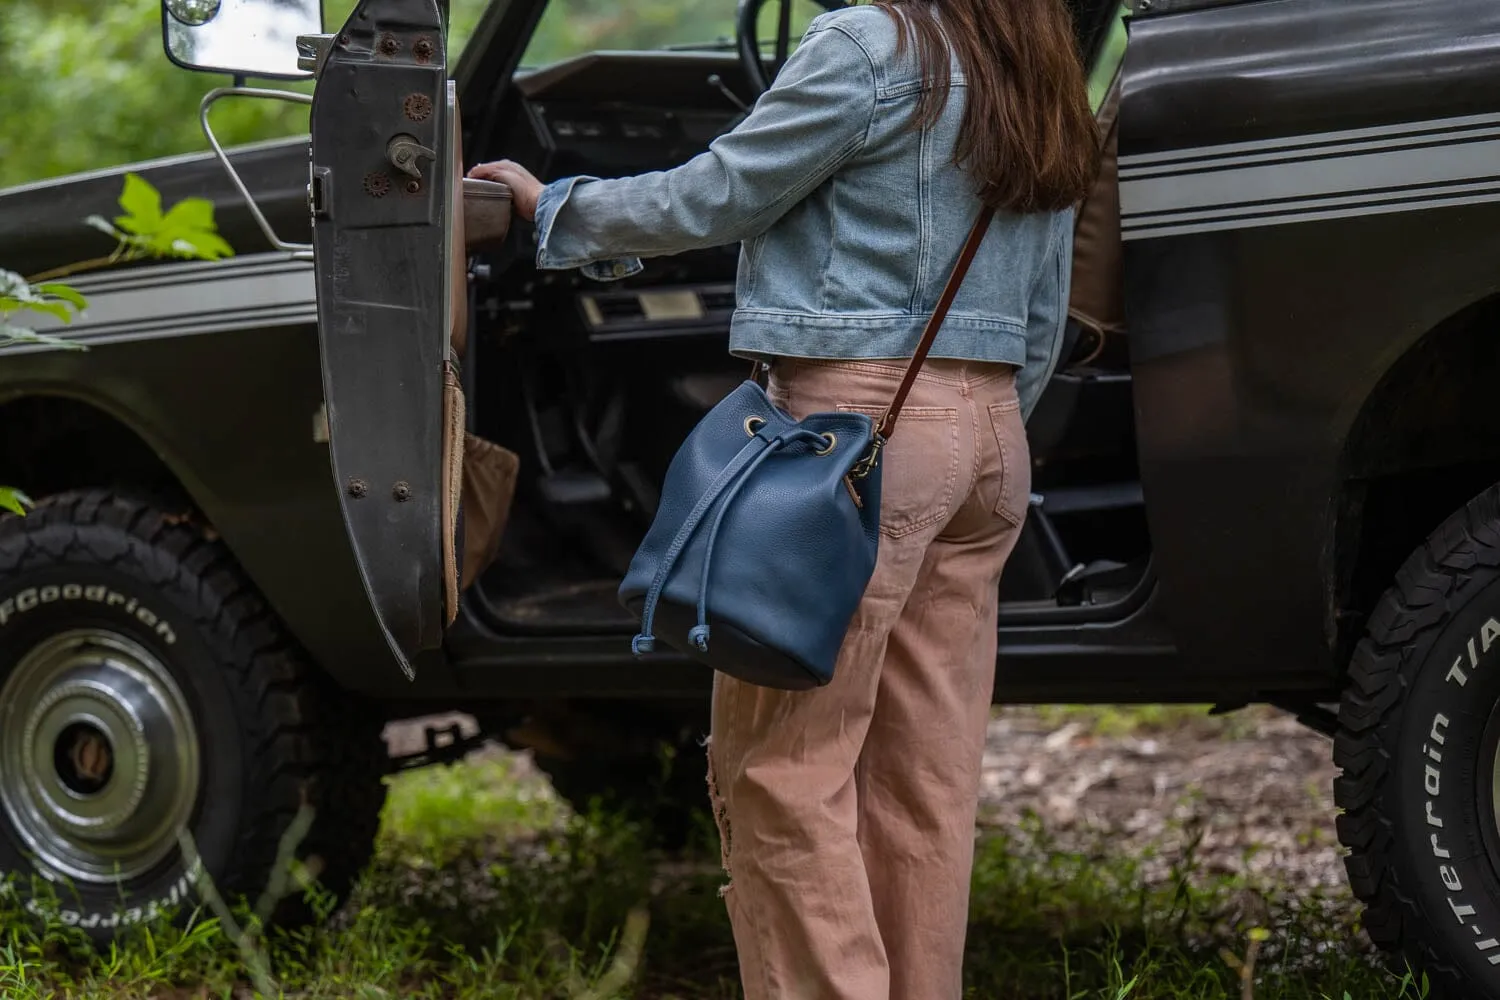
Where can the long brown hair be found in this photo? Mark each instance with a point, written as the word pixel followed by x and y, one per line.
pixel 1028 135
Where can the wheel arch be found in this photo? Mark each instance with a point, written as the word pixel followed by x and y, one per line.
pixel 53 441
pixel 82 434
pixel 1424 442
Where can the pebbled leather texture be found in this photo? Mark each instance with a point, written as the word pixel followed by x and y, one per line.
pixel 789 549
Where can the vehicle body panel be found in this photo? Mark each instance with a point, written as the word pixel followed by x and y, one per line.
pixel 1277 265
pixel 1255 341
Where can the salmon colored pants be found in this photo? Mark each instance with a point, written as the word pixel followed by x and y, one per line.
pixel 846 814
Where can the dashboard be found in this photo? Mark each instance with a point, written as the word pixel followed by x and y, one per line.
pixel 613 114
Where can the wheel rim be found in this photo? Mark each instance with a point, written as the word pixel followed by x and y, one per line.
pixel 98 756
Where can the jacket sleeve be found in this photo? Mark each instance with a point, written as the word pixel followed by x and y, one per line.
pixel 1048 317
pixel 812 120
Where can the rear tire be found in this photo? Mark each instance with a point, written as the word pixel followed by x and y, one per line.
pixel 1418 744
pixel 146 687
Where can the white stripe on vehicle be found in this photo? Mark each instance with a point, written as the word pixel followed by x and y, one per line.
pixel 177 300
pixel 1398 168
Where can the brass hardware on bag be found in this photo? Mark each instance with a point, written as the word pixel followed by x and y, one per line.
pixel 867 465
pixel 853 493
pixel 833 442
pixel 753 424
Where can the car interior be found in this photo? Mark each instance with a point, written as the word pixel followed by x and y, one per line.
pixel 594 385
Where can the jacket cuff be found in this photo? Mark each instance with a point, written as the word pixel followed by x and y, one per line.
pixel 553 250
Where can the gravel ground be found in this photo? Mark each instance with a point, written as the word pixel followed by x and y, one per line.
pixel 1255 790
pixel 1258 789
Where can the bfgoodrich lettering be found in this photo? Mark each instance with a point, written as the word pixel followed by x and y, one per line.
pixel 34 597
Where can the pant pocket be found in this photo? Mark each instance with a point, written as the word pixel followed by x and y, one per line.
pixel 1015 461
pixel 919 467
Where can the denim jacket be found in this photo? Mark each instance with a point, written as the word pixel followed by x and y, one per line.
pixel 850 219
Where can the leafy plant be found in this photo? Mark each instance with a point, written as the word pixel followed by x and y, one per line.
pixel 20 295
pixel 14 500
pixel 186 231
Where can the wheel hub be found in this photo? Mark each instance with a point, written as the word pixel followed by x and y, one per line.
pixel 98 756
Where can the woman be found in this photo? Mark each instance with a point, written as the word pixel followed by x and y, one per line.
pixel 847 813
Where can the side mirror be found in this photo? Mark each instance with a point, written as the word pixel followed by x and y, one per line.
pixel 240 37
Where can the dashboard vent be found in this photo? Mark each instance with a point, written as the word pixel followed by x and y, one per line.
pixel 657 311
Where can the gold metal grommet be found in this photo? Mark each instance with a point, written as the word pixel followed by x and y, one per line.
pixel 753 424
pixel 832 440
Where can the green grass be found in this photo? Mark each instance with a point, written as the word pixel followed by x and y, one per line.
pixel 485 886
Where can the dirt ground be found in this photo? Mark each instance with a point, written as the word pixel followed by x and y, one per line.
pixel 1255 790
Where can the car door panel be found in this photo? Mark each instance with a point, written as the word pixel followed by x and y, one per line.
pixel 382 194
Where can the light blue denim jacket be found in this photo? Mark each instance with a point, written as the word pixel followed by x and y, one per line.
pixel 850 219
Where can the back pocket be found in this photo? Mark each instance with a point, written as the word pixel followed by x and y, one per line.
pixel 919 467
pixel 1015 461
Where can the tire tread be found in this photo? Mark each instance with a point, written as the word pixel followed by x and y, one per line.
pixel 1370 714
pixel 302 742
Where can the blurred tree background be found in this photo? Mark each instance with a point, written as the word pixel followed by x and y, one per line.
pixel 99 68
pixel 85 84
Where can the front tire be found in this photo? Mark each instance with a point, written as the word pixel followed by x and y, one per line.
pixel 1419 746
pixel 145 688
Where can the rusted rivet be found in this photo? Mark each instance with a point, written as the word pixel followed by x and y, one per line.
pixel 413 186
pixel 417 107
pixel 423 49
pixel 401 492
pixel 389 45
pixel 358 487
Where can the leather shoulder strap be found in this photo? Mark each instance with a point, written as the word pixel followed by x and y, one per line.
pixel 935 321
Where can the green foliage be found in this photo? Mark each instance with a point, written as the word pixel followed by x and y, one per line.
pixel 86 85
pixel 1111 55
pixel 546 904
pixel 100 69
pixel 14 500
pixel 573 27
pixel 19 296
pixel 187 230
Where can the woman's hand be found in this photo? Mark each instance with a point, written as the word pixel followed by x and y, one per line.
pixel 525 189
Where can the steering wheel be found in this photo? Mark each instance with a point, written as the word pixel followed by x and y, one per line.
pixel 747 39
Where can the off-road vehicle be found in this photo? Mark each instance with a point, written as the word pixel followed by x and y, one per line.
pixel 1265 472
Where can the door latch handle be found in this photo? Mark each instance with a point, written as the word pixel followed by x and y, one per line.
pixel 404 151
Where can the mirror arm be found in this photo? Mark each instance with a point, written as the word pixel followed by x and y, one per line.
pixel 299 251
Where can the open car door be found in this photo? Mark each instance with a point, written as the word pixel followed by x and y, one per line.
pixel 390 271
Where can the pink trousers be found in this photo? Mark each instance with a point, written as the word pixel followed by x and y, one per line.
pixel 846 814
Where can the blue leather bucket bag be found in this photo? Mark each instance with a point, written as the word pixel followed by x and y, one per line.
pixel 768 529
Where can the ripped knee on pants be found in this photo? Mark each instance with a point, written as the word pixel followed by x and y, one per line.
pixel 721 817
